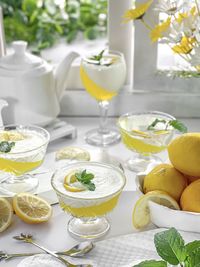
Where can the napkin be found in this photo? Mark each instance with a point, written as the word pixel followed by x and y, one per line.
pixel 126 250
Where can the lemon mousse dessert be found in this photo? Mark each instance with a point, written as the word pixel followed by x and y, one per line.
pixel 103 75
pixel 22 149
pixel 146 133
pixel 88 191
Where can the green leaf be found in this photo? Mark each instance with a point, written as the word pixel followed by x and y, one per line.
pixel 178 125
pixel 193 260
pixel 192 246
pixel 85 178
pixel 91 33
pixel 71 36
pixel 154 123
pixel 90 186
pixel 170 246
pixel 152 263
pixel 29 6
pixel 6 147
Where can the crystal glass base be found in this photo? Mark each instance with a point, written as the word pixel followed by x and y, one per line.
pixel 140 163
pixel 96 138
pixel 14 184
pixel 88 228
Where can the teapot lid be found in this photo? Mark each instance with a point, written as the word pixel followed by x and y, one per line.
pixel 20 59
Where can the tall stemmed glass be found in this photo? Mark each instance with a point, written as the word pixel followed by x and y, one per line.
pixel 103 75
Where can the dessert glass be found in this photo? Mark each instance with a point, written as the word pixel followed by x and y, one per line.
pixel 27 154
pixel 103 80
pixel 88 208
pixel 145 143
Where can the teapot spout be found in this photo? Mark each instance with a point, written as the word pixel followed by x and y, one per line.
pixel 62 71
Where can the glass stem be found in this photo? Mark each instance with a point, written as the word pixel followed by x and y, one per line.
pixel 103 108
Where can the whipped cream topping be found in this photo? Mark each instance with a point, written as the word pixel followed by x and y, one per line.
pixel 107 181
pixel 29 140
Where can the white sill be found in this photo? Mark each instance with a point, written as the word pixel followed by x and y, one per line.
pixel 79 103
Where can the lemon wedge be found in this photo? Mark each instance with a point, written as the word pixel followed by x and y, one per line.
pixel 31 209
pixel 140 133
pixel 6 214
pixel 141 213
pixel 71 184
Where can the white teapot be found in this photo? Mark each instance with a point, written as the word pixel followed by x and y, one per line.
pixel 31 86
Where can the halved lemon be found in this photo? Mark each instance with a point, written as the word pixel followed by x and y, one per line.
pixel 71 184
pixel 31 208
pixel 141 213
pixel 6 214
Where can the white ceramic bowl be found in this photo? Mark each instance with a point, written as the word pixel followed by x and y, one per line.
pixel 162 216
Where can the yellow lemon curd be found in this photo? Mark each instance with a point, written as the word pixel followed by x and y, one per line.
pixel 103 81
pixel 91 211
pixel 16 167
pixel 109 182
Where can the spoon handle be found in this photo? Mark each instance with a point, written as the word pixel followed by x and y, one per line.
pixel 67 263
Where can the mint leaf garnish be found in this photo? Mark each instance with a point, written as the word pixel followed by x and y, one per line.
pixel 98 57
pixel 178 125
pixel 85 179
pixel 151 263
pixel 193 260
pixel 154 123
pixel 6 146
pixel 192 246
pixel 170 246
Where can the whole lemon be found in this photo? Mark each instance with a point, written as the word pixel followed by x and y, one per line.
pixel 190 199
pixel 184 153
pixel 166 178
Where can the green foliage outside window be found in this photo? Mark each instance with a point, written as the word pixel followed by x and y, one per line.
pixel 43 22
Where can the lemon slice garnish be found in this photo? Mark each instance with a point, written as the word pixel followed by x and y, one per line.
pixel 31 209
pixel 4 136
pixel 72 152
pixel 160 132
pixel 141 213
pixel 71 184
pixel 140 133
pixel 15 136
pixel 11 136
pixel 6 214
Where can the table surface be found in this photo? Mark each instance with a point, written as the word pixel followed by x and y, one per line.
pixel 54 234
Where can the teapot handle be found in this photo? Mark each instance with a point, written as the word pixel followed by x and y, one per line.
pixel 3 104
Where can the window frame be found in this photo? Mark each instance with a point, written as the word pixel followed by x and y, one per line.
pixel 149 91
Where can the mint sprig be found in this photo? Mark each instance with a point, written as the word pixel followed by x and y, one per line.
pixel 85 179
pixel 171 247
pixel 176 124
pixel 98 57
pixel 6 146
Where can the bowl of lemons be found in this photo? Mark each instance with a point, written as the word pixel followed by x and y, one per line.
pixel 170 192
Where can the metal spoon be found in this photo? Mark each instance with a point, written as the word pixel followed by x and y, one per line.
pixel 29 239
pixel 78 250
